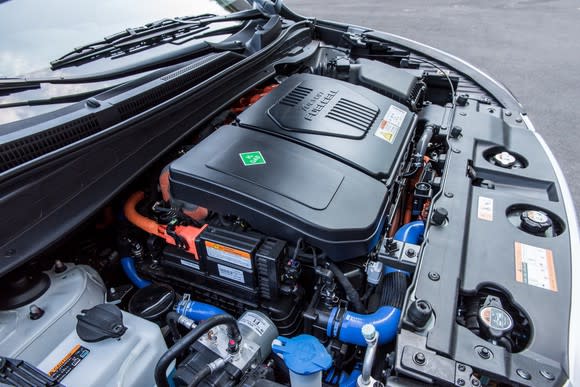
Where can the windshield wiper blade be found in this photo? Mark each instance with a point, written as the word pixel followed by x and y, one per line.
pixel 175 31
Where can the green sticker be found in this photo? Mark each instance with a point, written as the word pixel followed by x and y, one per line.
pixel 252 158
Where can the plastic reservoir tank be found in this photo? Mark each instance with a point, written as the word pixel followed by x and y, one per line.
pixel 127 361
pixel 47 341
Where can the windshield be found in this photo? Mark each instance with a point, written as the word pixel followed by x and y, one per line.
pixel 35 32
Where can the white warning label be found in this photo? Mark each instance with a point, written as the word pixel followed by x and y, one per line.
pixel 254 321
pixel 231 273
pixel 390 124
pixel 535 266
pixel 485 208
pixel 191 264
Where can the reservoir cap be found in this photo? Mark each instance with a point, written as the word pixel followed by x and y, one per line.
pixel 303 354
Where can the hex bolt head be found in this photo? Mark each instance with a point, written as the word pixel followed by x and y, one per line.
pixel 410 253
pixel 460 382
pixel 475 382
pixel 419 358
pixel 461 367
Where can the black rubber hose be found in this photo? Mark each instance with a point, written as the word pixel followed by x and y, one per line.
pixel 171 320
pixel 187 340
pixel 394 289
pixel 351 293
pixel 204 373
pixel 423 142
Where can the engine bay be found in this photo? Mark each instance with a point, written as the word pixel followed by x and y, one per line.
pixel 301 237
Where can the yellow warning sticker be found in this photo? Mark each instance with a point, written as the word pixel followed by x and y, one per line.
pixel 535 266
pixel 228 254
pixel 69 362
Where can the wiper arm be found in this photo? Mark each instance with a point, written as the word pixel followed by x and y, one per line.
pixel 175 31
pixel 9 85
pixel 69 98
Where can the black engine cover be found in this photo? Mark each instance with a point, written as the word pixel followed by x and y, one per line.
pixel 351 123
pixel 313 159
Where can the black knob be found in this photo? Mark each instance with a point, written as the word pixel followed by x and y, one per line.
pixel 419 313
pixel 462 99
pixel 535 222
pixel 456 131
pixel 439 216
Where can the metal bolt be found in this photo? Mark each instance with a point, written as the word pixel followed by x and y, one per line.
pixel 419 358
pixel 508 113
pixel 454 150
pixel 449 194
pixel 523 374
pixel 59 267
pixel 368 331
pixel 460 382
pixel 410 253
pixel 547 374
pixel 35 312
pixel 519 120
pixel 461 367
pixel 433 276
pixel 484 353
pixel 475 382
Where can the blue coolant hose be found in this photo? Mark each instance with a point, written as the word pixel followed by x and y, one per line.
pixel 346 325
pixel 411 232
pixel 128 265
pixel 197 311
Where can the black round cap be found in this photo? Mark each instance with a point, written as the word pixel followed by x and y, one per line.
pixel 535 221
pixel 152 302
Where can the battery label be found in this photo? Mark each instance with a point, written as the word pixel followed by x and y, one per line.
pixel 231 273
pixel 69 362
pixel 535 266
pixel 228 254
pixel 254 321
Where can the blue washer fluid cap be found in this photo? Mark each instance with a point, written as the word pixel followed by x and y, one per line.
pixel 303 354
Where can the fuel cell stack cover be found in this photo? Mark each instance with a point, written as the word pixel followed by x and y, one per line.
pixel 283 189
pixel 350 123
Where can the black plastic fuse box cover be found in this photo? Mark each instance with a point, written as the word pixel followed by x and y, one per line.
pixel 283 189
pixel 351 123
